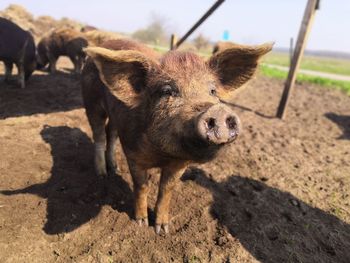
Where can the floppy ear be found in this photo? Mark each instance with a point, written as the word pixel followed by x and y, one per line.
pixel 124 72
pixel 236 64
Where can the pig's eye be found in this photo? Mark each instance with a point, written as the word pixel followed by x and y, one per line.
pixel 212 91
pixel 168 90
pixel 212 88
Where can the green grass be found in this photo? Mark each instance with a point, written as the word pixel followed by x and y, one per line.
pixel 329 65
pixel 279 74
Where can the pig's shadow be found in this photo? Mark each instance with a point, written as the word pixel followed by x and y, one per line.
pixel 44 93
pixel 343 122
pixel 234 105
pixel 74 193
pixel 274 226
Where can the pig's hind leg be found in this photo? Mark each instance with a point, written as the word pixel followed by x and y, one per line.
pixel 52 62
pixel 97 119
pixel 112 136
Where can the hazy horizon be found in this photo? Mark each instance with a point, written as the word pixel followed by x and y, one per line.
pixel 257 21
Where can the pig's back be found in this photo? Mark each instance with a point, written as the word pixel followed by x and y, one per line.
pixel 12 40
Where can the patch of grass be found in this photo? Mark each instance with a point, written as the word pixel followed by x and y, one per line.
pixel 194 259
pixel 322 64
pixel 279 74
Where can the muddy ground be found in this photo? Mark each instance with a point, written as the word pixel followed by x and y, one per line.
pixel 280 193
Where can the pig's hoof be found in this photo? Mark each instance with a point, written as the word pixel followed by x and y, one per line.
pixel 112 168
pixel 101 171
pixel 111 171
pixel 165 228
pixel 142 221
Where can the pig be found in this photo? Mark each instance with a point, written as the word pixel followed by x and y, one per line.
pixel 168 111
pixel 16 47
pixel 62 42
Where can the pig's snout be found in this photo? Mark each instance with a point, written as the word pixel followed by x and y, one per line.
pixel 218 125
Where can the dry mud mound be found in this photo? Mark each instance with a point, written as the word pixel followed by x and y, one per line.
pixel 37 26
pixel 97 37
pixel 280 193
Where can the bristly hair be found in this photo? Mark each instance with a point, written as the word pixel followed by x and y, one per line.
pixel 183 63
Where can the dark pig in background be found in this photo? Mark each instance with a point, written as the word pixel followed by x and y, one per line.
pixel 168 111
pixel 16 47
pixel 62 42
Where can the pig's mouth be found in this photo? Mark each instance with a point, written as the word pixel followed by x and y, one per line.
pixel 199 149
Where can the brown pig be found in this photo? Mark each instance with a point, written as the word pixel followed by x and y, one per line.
pixel 62 42
pixel 167 111
pixel 16 47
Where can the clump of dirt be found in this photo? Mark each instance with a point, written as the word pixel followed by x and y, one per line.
pixel 280 193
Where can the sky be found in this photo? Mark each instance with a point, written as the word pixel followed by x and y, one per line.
pixel 247 21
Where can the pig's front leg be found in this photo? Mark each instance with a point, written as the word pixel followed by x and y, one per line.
pixel 8 71
pixel 141 188
pixel 21 75
pixel 52 61
pixel 77 64
pixel 169 178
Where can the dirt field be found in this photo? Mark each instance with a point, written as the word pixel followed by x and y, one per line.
pixel 280 193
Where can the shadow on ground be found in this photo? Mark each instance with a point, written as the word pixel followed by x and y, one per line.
pixel 74 193
pixel 274 226
pixel 343 122
pixel 234 105
pixel 44 93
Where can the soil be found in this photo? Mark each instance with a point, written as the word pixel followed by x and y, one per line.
pixel 280 193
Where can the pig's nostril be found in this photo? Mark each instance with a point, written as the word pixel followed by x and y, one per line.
pixel 211 123
pixel 231 123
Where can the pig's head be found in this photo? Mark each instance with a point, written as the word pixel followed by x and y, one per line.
pixel 181 95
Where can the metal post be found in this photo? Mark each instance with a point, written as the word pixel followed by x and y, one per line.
pixel 200 21
pixel 291 49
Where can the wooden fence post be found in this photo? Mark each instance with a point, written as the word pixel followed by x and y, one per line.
pixel 298 53
pixel 291 50
pixel 172 41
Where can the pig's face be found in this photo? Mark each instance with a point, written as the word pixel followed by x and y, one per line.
pixel 181 95
pixel 187 119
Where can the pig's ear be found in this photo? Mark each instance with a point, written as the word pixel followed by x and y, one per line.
pixel 237 64
pixel 124 72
